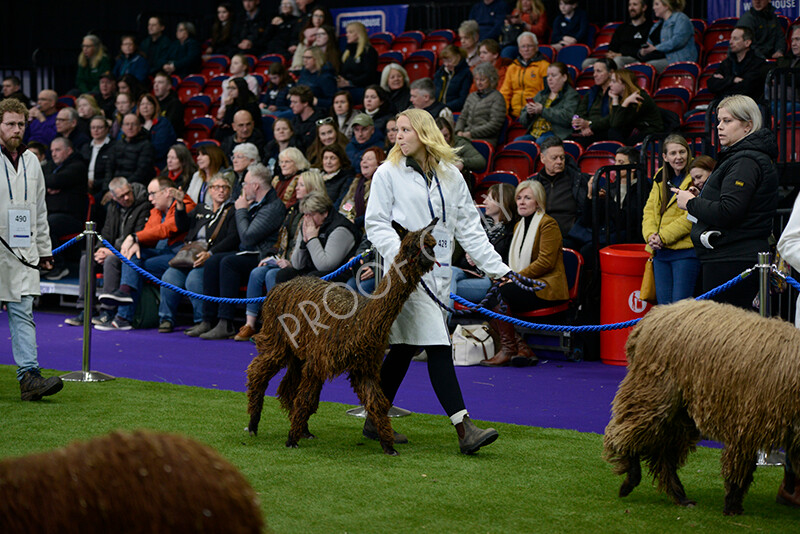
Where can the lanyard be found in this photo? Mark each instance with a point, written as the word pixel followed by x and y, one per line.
pixel 24 173
pixel 441 196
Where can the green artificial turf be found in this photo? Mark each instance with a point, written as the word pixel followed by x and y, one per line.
pixel 530 480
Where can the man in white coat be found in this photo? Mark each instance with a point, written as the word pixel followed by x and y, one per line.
pixel 25 247
pixel 417 183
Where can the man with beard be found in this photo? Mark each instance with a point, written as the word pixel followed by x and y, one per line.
pixel 25 246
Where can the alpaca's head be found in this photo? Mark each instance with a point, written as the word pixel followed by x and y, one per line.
pixel 416 248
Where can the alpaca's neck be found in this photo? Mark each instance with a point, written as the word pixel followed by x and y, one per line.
pixel 395 288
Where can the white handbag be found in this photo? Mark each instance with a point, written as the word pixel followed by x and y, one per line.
pixel 471 344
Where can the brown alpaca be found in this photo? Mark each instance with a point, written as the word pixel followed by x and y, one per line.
pixel 319 330
pixel 140 482
pixel 704 368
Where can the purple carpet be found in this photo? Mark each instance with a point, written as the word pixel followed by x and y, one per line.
pixel 555 394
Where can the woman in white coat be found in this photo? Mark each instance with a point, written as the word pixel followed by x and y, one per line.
pixel 789 247
pixel 418 182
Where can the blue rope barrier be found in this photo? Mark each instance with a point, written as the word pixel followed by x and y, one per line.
pixel 526 283
pixel 68 244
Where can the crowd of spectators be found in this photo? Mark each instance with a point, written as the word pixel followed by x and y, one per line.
pixel 288 163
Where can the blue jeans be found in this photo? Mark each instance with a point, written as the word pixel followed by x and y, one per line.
pixel 468 287
pixel 529 137
pixel 155 261
pixel 260 277
pixel 365 287
pixel 23 334
pixel 675 274
pixel 191 279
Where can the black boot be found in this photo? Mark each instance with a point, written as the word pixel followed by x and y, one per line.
pixel 34 386
pixel 471 438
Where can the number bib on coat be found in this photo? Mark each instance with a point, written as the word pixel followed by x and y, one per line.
pixel 19 227
pixel 442 248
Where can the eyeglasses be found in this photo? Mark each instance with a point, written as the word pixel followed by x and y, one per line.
pixel 220 186
pixel 59 119
pixel 326 120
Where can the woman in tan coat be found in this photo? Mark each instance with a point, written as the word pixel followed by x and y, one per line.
pixel 535 252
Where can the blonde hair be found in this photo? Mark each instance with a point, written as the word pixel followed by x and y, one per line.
pixel 744 109
pixel 100 52
pixel 537 189
pixel 313 180
pixel 436 148
pixel 363 40
pixel 92 104
pixel 319 56
pixel 537 7
pixel 297 156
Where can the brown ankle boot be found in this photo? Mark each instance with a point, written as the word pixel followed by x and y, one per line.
pixel 508 345
pixel 525 356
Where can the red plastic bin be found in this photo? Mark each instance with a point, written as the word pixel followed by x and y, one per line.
pixel 621 270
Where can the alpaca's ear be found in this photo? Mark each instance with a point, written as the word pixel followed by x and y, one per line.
pixel 431 225
pixel 401 231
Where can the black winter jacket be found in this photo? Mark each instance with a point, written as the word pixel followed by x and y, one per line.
pixel 191 222
pixel 121 222
pixel 69 179
pixel 739 200
pixel 133 159
pixel 258 225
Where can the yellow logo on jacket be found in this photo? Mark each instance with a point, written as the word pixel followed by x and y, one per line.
pixel 738 183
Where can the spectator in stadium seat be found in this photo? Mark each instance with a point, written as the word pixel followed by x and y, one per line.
pixel 594 120
pixel 743 72
pixel 570 27
pixel 275 98
pixel 490 15
pixel 634 115
pixel 292 162
pixel 484 112
pixel 239 68
pixel 318 75
pixel 129 84
pixel 180 166
pixel 250 29
pixel 244 131
pixel 378 107
pixel 525 76
pixel 156 47
pixel 42 118
pixel 671 39
pixel 552 109
pixel 168 101
pixel 106 95
pixel 304 123
pixel 133 156
pixel 185 59
pixel 471 159
pixel 790 61
pixel 453 79
pixel 97 154
pixel 469 37
pixel 162 134
pixel 629 36
pixel 65 180
pixel 92 63
pixel 211 162
pixel 281 34
pixel 244 155
pixel 67 126
pixel 12 88
pixel 533 16
pixel 394 80
pixel 327 134
pixel 359 61
pixel 282 138
pixel 769 40
pixel 564 184
pixel 423 96
pixel 489 52
pixel 239 99
pixel 313 34
pixel 221 41
pixel 123 105
pixel 129 60
pixel 365 135
pixel 87 108
pixel 259 214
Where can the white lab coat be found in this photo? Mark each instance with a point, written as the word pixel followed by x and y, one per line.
pixel 789 247
pixel 17 279
pixel 400 194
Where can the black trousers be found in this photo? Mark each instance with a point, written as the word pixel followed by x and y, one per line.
pixel 742 294
pixel 440 370
pixel 223 274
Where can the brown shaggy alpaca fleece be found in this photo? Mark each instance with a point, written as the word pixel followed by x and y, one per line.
pixel 319 330
pixel 704 368
pixel 127 483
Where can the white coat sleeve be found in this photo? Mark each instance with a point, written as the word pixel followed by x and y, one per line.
pixel 472 237
pixel 378 217
pixel 43 246
pixel 789 247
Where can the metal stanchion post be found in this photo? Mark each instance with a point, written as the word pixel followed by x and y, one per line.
pixel 764 268
pixel 85 375
pixel 394 411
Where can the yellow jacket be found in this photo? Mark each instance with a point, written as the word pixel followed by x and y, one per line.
pixel 521 83
pixel 673 227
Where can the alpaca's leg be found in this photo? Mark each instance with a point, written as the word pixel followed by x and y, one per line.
pixel 287 389
pixel 377 406
pixel 680 435
pixel 738 466
pixel 634 472
pixel 305 403
pixel 259 373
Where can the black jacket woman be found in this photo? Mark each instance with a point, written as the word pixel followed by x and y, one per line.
pixel 735 210
pixel 215 225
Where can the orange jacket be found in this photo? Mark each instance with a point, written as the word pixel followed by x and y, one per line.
pixel 155 230
pixel 523 82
